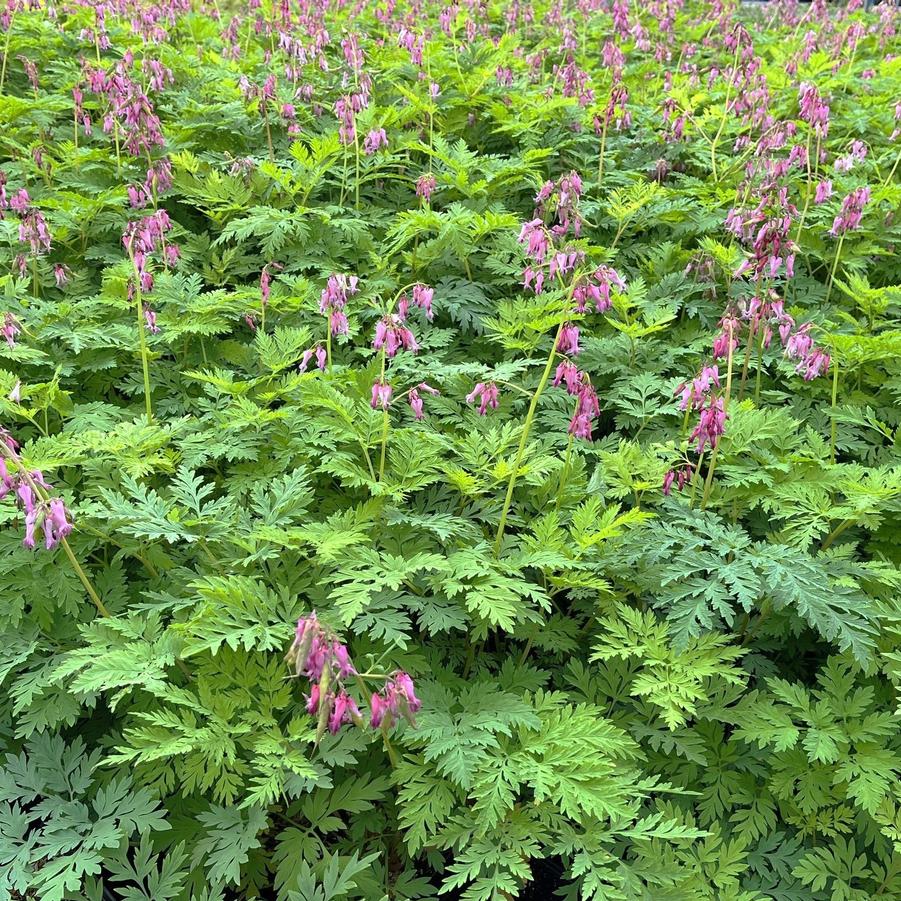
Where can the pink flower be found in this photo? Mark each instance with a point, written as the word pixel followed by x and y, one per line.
pixel 568 342
pixel 381 395
pixel 534 235
pixel 338 322
pixel 587 410
pixel 374 140
pixel 681 475
pixel 487 393
pixel 711 425
pixel 568 373
pixel 814 364
pixel 10 329
pixel 823 191
pixel 800 343
pixel 425 185
pixel 392 335
pixel 730 328
pixel 150 320
pixel 344 710
pixel 595 288
pixel 379 707
pixel 415 403
pixel 694 394
pixel 851 212
pixel 397 699
pixel 422 297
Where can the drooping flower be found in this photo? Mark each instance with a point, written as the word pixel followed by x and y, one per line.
pixel 415 398
pixel 568 374
pixel 425 185
pixel 397 699
pixel 10 329
pixel 711 424
pixel 823 191
pixel 851 212
pixel 381 395
pixel 680 475
pixel 374 140
pixel 392 335
pixel 422 297
pixel 696 391
pixel 568 342
pixel 150 320
pixel 334 298
pixel 587 409
pixel 487 394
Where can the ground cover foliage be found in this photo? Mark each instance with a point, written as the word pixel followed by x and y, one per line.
pixel 549 352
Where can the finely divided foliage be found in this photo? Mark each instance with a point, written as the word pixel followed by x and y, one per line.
pixel 450 451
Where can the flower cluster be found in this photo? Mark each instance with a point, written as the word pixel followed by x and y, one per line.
pixel 561 198
pixel 766 228
pixel 577 384
pixel 374 140
pixel 381 394
pixel 392 335
pixel 415 398
pixel 10 329
pixel 681 475
pixel 33 229
pixel 694 393
pixel 422 298
pixel 334 299
pixel 318 655
pixel 595 288
pixel 142 238
pixel 397 699
pixel 814 110
pixel 157 181
pixel 487 394
pixel 851 212
pixel 130 115
pixel 47 513
pixel 711 423
pixel 812 360
pixel 320 354
pixel 425 185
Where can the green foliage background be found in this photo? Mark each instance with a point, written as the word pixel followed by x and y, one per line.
pixel 671 702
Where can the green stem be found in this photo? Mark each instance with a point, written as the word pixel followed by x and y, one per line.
pixel 601 154
pixel 384 426
pixel 838 530
pixel 838 254
pixel 696 478
pixel 719 131
pixel 712 465
pixel 42 494
pixel 809 191
pixel 83 578
pixel 9 34
pixel 145 360
pixel 891 174
pixel 832 429
pixel 564 473
pixel 521 450
pixel 759 369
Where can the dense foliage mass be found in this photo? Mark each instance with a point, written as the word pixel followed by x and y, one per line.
pixel 449 447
